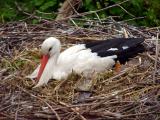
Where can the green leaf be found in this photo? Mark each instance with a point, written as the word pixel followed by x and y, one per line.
pixel 48 5
pixel 8 14
pixel 89 5
pixel 116 11
pixel 116 1
pixel 38 2
pixel 35 21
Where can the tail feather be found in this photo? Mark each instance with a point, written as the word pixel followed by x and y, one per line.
pixel 104 45
pixel 125 55
pixel 132 48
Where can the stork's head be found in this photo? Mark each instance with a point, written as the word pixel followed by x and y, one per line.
pixel 50 47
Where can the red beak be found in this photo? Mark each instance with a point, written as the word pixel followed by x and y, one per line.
pixel 44 61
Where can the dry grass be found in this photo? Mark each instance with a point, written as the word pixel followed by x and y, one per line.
pixel 130 94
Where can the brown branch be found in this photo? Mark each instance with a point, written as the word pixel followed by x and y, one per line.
pixel 140 114
pixel 156 59
pixel 74 110
pixel 93 12
pixel 28 14
pixel 68 9
pixel 126 11
pixel 57 116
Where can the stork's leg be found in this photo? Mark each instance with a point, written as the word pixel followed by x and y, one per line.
pixel 117 67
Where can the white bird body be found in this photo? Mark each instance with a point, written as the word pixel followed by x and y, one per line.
pixel 77 58
pixel 82 61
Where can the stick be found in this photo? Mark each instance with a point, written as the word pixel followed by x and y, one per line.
pixel 57 116
pixel 93 12
pixel 156 59
pixel 74 110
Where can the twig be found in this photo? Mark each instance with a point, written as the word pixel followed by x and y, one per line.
pixel 3 71
pixel 156 59
pixel 126 11
pixel 106 114
pixel 133 86
pixel 125 33
pixel 44 115
pixel 93 12
pixel 136 18
pixel 140 114
pixel 73 22
pixel 74 110
pixel 58 117
pixel 98 17
pixel 78 26
pixel 120 74
pixel 151 57
pixel 158 27
pixel 30 15
pixel 16 113
pixel 72 7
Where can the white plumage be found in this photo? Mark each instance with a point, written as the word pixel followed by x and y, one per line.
pixel 76 58
pixel 83 58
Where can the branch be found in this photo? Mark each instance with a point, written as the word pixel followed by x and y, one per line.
pixel 56 114
pixel 93 12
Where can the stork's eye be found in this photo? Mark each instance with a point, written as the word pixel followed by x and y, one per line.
pixel 50 49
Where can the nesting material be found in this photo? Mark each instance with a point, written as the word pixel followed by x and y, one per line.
pixel 132 93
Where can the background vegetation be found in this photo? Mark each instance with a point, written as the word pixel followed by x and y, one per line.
pixel 13 10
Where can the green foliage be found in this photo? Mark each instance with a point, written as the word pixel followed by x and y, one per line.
pixel 149 9
pixel 6 11
pixel 12 10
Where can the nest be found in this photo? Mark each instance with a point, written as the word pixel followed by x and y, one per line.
pixel 134 93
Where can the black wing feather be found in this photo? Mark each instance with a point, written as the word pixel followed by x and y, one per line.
pixel 123 55
pixel 113 43
pixel 134 47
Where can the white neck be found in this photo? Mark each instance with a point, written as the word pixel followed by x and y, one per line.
pixel 47 73
pixel 54 58
pixel 50 66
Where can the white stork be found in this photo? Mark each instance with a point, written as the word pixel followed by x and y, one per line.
pixel 83 58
